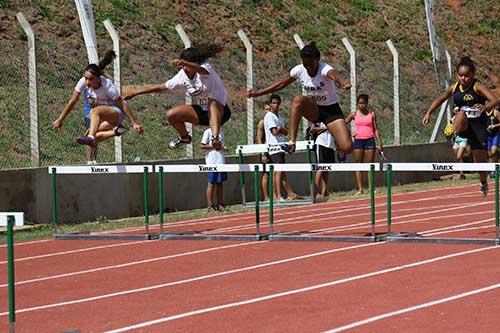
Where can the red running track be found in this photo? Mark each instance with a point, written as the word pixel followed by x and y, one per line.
pixel 160 286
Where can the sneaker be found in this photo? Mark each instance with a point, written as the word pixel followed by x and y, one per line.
pixel 492 174
pixel 212 208
pixel 483 189
pixel 86 140
pixel 221 207
pixel 119 130
pixel 177 142
pixel 288 147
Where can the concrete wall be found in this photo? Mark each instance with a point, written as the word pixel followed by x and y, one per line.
pixel 87 197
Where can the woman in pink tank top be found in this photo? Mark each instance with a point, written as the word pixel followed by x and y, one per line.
pixel 365 133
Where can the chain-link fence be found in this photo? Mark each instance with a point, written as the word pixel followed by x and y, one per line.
pixel 14 106
pixel 61 64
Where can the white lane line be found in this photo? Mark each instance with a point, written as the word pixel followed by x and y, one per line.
pixel 363 225
pixel 76 251
pixel 198 278
pixel 318 232
pixel 414 308
pixel 127 264
pixel 318 206
pixel 298 291
pixel 29 243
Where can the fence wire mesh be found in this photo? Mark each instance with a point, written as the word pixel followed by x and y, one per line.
pixel 60 65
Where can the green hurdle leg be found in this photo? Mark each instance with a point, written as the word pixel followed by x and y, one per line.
pixel 54 200
pixel 389 181
pixel 10 255
pixel 160 196
pixel 242 179
pixel 310 179
pixel 146 200
pixel 497 214
pixel 372 197
pixel 271 199
pixel 257 201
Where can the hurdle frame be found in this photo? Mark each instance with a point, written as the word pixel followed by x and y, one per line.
pixel 205 168
pixel 305 145
pixel 415 237
pixel 99 170
pixel 333 167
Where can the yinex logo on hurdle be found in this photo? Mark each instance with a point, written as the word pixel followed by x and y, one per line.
pixel 441 167
pixel 321 167
pixel 272 147
pixel 207 168
pixel 99 170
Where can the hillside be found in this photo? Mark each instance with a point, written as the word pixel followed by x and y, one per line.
pixel 149 41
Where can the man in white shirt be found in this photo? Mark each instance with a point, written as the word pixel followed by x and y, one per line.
pixel 274 128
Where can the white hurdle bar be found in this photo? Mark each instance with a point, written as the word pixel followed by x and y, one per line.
pixel 100 170
pixel 272 147
pixel 474 167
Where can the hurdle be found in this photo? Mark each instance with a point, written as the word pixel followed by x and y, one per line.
pixel 100 170
pixel 191 235
pixel 389 168
pixel 306 145
pixel 334 167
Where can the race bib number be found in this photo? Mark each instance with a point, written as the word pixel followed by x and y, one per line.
pixel 471 112
pixel 203 102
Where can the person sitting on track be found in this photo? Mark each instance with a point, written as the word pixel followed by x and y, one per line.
pixel 319 101
pixel 473 122
pixel 200 80
pixel 108 108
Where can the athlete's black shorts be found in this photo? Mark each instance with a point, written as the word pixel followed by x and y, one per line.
pixel 329 113
pixel 203 115
pixel 477 133
pixel 278 158
pixel 325 154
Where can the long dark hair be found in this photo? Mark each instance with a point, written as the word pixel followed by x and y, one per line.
pixel 200 53
pixel 310 51
pixel 467 62
pixel 98 69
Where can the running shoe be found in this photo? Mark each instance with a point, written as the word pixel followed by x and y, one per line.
pixel 120 129
pixel 483 189
pixel 86 140
pixel 492 174
pixel 179 141
pixel 212 208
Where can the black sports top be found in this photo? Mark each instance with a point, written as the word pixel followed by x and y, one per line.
pixel 467 97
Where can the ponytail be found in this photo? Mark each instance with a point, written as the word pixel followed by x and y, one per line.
pixel 98 69
pixel 200 53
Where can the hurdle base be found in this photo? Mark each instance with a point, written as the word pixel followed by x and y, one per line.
pixel 189 235
pixel 102 236
pixel 300 237
pixel 416 238
pixel 286 203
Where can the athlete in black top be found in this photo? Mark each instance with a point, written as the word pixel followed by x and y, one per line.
pixel 470 124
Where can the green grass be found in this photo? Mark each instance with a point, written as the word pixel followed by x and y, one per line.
pixel 104 224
